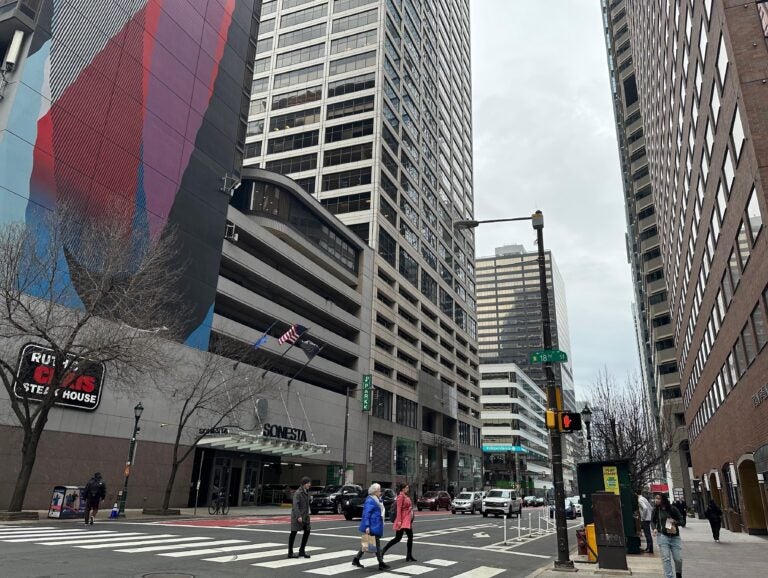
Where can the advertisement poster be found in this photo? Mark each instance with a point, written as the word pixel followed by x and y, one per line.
pixel 67 502
pixel 611 479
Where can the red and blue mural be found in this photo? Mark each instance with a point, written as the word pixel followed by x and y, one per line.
pixel 132 106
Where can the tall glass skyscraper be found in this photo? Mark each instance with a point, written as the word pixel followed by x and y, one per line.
pixel 367 105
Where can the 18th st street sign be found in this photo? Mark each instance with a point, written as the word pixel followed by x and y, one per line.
pixel 548 356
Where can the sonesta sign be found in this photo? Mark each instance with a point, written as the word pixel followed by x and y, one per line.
pixel 284 432
pixel 80 387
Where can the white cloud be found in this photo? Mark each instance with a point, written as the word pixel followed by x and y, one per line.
pixel 544 138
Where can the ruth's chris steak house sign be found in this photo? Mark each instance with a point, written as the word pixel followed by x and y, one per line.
pixel 80 387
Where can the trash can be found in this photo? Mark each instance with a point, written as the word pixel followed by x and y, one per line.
pixel 67 502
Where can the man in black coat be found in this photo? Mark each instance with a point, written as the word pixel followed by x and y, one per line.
pixel 300 519
pixel 95 492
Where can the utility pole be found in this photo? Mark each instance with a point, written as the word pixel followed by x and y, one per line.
pixel 346 430
pixel 555 439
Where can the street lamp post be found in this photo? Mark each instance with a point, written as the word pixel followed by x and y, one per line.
pixel 586 417
pixel 137 411
pixel 563 561
pixel 346 431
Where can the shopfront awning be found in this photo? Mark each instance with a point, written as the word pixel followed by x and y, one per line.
pixel 258 444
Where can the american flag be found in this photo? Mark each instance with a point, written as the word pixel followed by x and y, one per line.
pixel 292 335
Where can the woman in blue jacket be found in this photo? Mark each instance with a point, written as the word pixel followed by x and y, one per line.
pixel 372 524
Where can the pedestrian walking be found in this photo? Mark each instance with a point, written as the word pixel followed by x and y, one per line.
pixel 646 511
pixel 372 524
pixel 403 523
pixel 666 521
pixel 682 507
pixel 714 514
pixel 300 519
pixel 95 492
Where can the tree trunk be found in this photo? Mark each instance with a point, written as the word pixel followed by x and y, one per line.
pixel 28 457
pixel 169 487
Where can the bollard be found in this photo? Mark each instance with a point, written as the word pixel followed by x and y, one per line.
pixel 530 529
pixel 519 529
pixel 505 529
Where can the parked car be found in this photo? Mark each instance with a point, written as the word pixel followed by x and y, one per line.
pixel 314 490
pixel 331 498
pixel 540 502
pixel 434 501
pixel 529 501
pixel 467 502
pixel 502 502
pixel 570 510
pixel 576 504
pixel 352 504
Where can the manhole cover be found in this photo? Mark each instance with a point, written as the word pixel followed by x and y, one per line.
pixel 167 575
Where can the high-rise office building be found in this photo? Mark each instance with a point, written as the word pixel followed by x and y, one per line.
pixel 367 105
pixel 651 310
pixel 510 325
pixel 699 69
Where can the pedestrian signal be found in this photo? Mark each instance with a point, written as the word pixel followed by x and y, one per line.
pixel 570 421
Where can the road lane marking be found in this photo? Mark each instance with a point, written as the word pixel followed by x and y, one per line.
pixel 208 542
pixel 439 562
pixel 413 570
pixel 51 533
pixel 221 550
pixel 299 561
pixel 44 538
pixel 347 566
pixel 258 555
pixel 68 541
pixel 481 572
pixel 141 542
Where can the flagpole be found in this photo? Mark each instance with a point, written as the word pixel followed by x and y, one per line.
pixel 265 334
pixel 287 350
pixel 305 364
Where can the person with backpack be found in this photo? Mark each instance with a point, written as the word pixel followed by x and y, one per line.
pixel 714 514
pixel 403 522
pixel 666 521
pixel 95 492
pixel 372 524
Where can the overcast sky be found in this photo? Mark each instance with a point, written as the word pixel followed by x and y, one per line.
pixel 544 139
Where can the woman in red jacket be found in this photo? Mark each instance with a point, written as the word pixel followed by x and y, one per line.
pixel 403 523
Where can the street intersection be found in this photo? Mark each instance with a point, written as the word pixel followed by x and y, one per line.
pixel 446 546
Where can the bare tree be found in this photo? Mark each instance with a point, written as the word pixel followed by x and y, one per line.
pixel 92 291
pixel 623 427
pixel 215 395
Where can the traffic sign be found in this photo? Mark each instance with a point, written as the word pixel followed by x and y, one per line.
pixel 548 356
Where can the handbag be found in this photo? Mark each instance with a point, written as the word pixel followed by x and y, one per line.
pixel 367 543
pixel 670 528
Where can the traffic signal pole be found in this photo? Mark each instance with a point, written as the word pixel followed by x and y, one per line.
pixel 563 561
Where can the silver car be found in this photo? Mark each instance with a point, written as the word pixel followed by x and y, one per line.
pixel 467 502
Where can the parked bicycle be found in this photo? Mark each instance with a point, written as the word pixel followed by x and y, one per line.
pixel 219 504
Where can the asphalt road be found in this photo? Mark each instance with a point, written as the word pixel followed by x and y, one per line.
pixel 446 546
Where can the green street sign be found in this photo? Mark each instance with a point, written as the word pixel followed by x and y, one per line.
pixel 367 396
pixel 548 356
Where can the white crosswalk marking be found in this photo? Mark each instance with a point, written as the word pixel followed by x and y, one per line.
pixel 208 542
pixel 439 562
pixel 282 552
pixel 68 540
pixel 114 540
pixel 30 533
pixel 413 570
pixel 347 567
pixel 4 529
pixel 299 561
pixel 225 549
pixel 481 572
pixel 141 542
pixel 47 537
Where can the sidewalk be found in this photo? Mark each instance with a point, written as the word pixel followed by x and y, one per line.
pixel 642 565
pixel 738 555
pixel 202 512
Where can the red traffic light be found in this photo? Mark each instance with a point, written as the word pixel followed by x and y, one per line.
pixel 570 421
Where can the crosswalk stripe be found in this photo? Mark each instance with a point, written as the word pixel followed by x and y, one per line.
pixel 68 541
pixel 481 572
pixel 439 562
pixel 299 561
pixel 144 541
pixel 180 546
pixel 413 570
pixel 225 549
pixel 47 533
pixel 43 538
pixel 4 529
pixel 347 567
pixel 258 555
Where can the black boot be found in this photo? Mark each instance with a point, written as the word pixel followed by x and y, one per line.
pixel 410 558
pixel 382 565
pixel 356 561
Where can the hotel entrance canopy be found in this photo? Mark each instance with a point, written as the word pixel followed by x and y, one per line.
pixel 259 444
